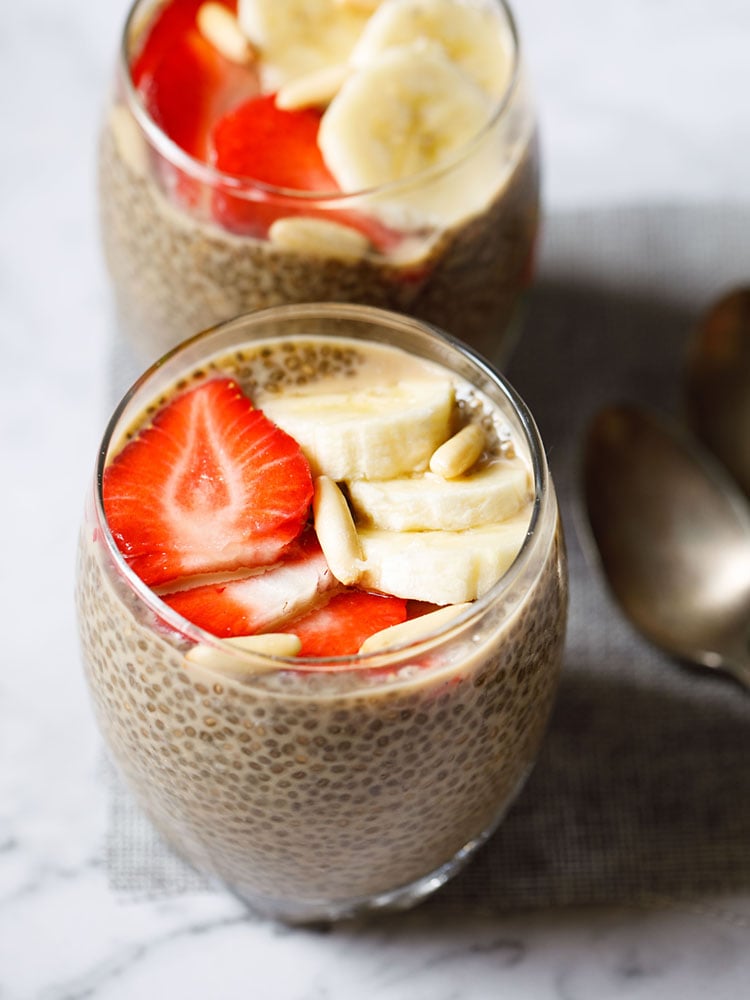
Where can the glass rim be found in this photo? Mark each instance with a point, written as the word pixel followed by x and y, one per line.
pixel 387 659
pixel 246 186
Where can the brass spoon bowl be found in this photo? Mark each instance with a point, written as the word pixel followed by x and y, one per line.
pixel 717 383
pixel 673 535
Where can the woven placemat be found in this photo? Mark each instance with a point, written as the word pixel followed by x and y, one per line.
pixel 642 789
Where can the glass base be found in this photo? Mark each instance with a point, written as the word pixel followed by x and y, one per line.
pixel 403 897
pixel 333 911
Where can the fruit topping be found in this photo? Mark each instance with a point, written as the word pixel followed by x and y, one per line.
pixel 409 110
pixel 342 625
pixel 442 567
pixel 373 432
pixel 296 37
pixel 185 82
pixel 329 97
pixel 263 601
pixel 429 502
pixel 265 142
pixel 209 485
pixel 261 141
pixel 473 35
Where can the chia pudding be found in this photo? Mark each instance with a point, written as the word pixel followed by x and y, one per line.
pixel 450 242
pixel 317 787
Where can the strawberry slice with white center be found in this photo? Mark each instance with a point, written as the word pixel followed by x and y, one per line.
pixel 341 626
pixel 210 485
pixel 261 602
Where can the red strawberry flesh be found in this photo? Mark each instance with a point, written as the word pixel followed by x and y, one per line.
pixel 211 108
pixel 341 626
pixel 276 147
pixel 263 601
pixel 210 485
pixel 262 142
pixel 272 145
pixel 184 81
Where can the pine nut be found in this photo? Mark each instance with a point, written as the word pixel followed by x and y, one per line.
pixel 313 90
pixel 267 644
pixel 219 27
pixel 318 237
pixel 412 630
pixel 336 532
pixel 456 455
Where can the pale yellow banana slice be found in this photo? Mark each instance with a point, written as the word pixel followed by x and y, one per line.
pixel 377 432
pixel 407 111
pixel 429 502
pixel 442 567
pixel 297 37
pixel 475 35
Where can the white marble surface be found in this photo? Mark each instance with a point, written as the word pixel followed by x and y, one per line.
pixel 639 102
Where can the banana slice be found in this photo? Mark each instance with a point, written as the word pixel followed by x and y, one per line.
pixel 297 37
pixel 377 432
pixel 475 36
pixel 408 110
pixel 429 502
pixel 442 567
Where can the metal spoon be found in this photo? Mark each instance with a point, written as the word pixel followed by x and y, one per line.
pixel 673 534
pixel 717 383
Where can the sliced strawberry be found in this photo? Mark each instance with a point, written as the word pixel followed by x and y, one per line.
pixel 262 601
pixel 172 23
pixel 210 107
pixel 268 144
pixel 260 141
pixel 210 485
pixel 186 86
pixel 342 625
pixel 265 143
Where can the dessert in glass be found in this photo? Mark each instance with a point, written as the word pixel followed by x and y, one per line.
pixel 321 595
pixel 262 152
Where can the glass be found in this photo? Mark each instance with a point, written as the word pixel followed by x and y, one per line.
pixel 321 789
pixel 176 270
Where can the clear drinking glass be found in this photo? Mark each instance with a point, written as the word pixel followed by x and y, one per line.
pixel 176 268
pixel 319 789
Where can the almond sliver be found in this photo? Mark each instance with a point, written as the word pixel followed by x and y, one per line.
pixel 318 237
pixel 336 532
pixel 412 630
pixel 457 455
pixel 313 90
pixel 264 644
pixel 220 28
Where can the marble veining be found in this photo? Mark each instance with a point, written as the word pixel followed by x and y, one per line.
pixel 640 103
